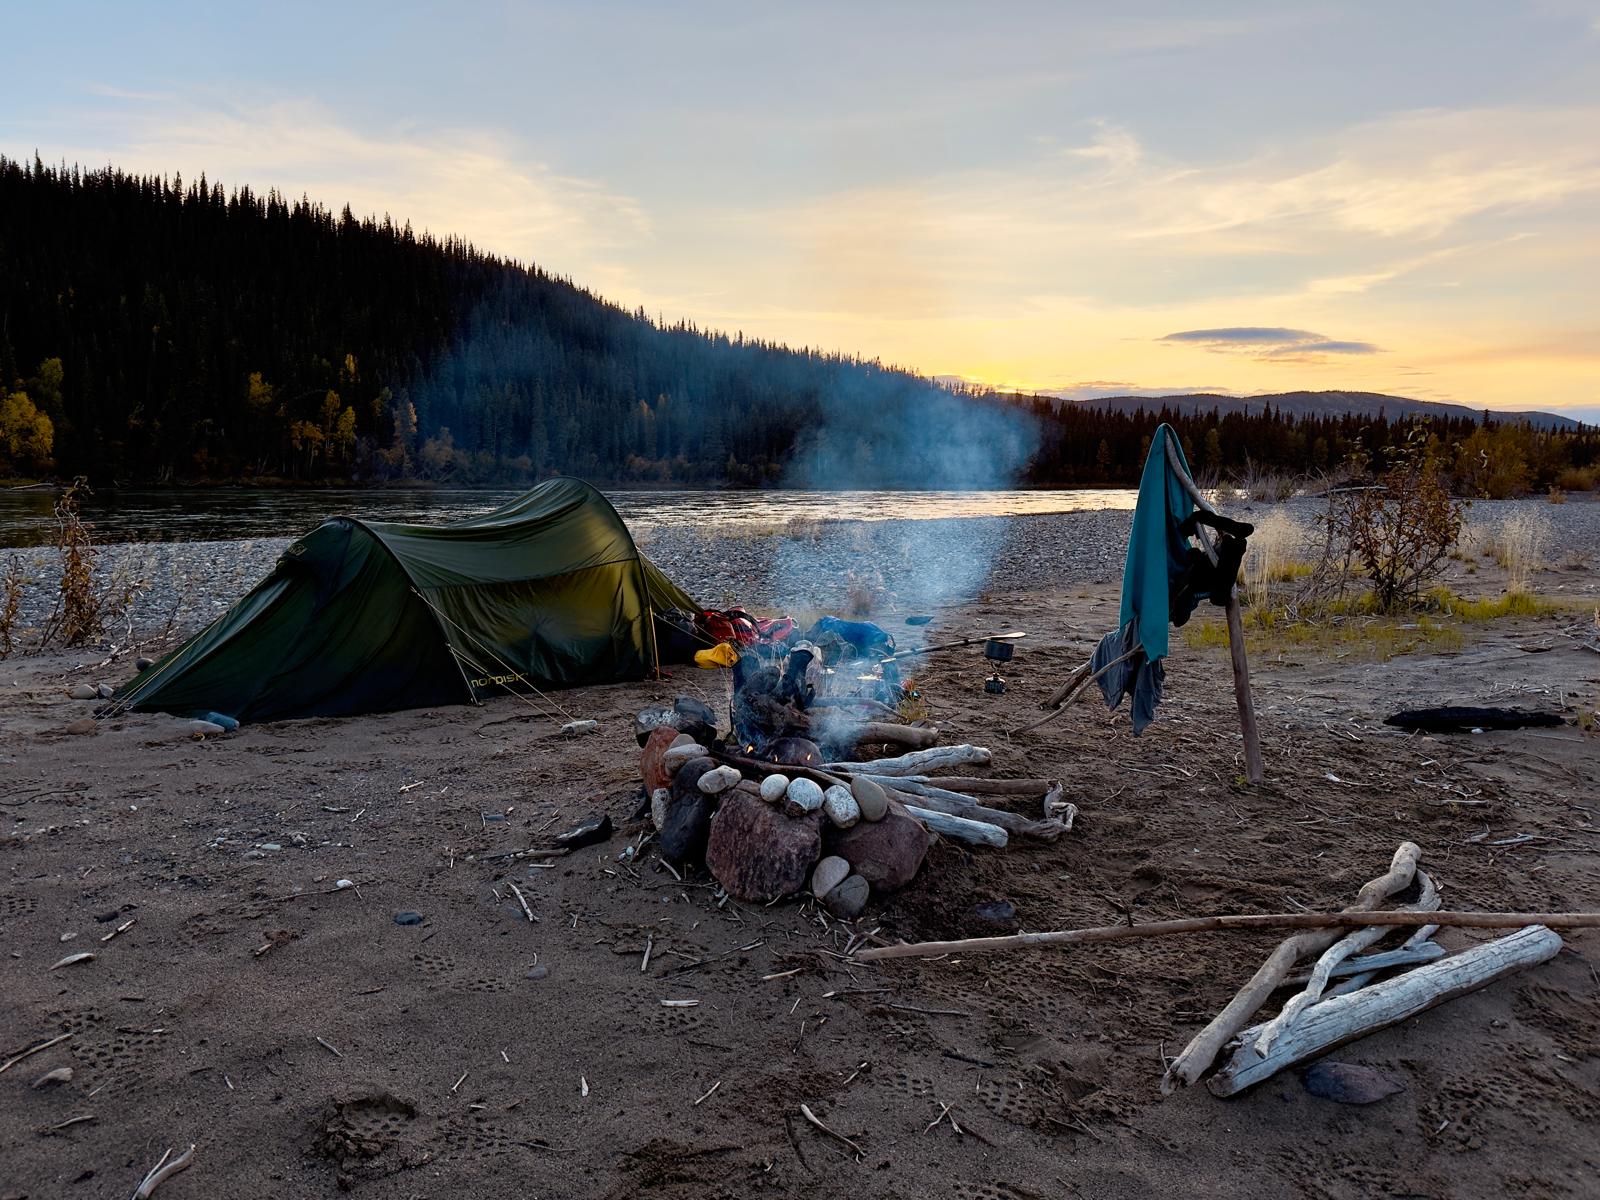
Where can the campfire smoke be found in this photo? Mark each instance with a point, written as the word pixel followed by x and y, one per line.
pixel 893 439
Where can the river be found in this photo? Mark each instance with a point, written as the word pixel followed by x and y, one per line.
pixel 214 514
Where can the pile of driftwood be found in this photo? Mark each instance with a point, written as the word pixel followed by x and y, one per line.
pixel 1374 989
pixel 767 824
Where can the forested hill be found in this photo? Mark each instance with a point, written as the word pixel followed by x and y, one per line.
pixel 172 331
pixel 157 331
pixel 1325 404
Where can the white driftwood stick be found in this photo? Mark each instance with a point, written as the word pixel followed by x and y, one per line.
pixel 1367 964
pixel 980 785
pixel 979 833
pixel 160 1173
pixel 918 761
pixel 1201 1052
pixel 1335 954
pixel 1417 946
pixel 1343 1019
pixel 956 805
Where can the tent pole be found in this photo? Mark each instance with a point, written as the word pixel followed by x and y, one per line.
pixel 1254 771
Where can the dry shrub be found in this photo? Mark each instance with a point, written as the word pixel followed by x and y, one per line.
pixel 1520 547
pixel 10 605
pixel 1399 533
pixel 1557 496
pixel 76 618
pixel 1578 479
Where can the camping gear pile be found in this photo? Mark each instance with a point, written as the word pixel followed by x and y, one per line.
pixel 778 803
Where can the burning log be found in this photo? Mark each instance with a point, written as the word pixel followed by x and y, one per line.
pixel 884 733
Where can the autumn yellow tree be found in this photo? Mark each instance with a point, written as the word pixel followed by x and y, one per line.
pixel 27 436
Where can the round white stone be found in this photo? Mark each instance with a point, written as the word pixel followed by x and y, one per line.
pixel 718 780
pixel 841 808
pixel 802 796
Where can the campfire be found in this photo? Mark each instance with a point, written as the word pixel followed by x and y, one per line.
pixel 782 802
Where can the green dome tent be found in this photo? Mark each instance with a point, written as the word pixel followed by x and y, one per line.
pixel 546 591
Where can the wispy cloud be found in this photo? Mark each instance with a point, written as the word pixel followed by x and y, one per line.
pixel 466 183
pixel 1269 342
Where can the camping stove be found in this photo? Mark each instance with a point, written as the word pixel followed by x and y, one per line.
pixel 996 652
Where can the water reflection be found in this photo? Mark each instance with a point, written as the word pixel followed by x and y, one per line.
pixel 206 514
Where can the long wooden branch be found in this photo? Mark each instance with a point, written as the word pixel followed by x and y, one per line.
pixel 1230 923
pixel 1342 1019
pixel 1058 696
pixel 1202 1050
pixel 1079 690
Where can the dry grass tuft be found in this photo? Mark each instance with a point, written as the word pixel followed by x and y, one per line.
pixel 1274 555
pixel 1520 547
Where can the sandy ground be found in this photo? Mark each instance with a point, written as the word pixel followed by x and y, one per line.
pixel 309 1045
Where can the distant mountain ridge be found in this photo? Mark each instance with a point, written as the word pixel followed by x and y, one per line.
pixel 1329 403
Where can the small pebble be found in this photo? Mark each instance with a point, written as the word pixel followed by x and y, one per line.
pixel 828 874
pixel 341 884
pixel 408 918
pixel 848 899
pixel 1350 1083
pixel 83 691
pixel 538 972
pixel 143 664
pixel 1001 914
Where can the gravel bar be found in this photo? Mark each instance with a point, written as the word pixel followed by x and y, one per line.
pixel 889 566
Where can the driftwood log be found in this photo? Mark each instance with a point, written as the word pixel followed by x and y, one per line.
pixel 983 785
pixel 884 733
pixel 1202 1050
pixel 957 805
pixel 917 762
pixel 831 724
pixel 1332 1023
pixel 977 833
pixel 1335 954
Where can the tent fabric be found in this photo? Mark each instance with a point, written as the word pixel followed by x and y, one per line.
pixel 548 590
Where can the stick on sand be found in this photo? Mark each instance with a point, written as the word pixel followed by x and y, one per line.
pixel 1238 921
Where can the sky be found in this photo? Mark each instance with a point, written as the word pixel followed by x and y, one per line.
pixel 1081 198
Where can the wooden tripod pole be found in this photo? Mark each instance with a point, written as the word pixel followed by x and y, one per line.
pixel 1241 667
